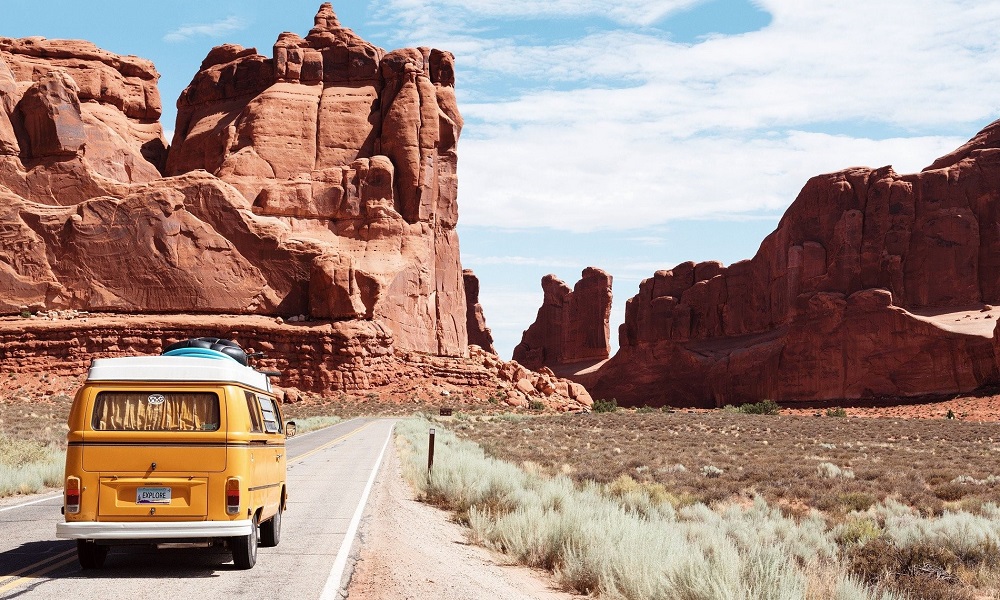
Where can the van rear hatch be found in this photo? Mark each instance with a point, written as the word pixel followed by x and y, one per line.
pixel 148 432
pixel 124 497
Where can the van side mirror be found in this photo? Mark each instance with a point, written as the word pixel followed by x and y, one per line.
pixel 290 429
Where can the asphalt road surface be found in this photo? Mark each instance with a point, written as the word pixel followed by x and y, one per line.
pixel 330 473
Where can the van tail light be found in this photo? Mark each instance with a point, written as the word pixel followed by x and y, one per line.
pixel 232 496
pixel 72 495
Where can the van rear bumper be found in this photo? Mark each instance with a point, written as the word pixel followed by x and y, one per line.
pixel 92 530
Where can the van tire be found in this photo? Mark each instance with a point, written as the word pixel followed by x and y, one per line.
pixel 270 531
pixel 90 555
pixel 245 548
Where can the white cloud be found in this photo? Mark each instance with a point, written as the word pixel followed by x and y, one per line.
pixel 589 178
pixel 624 128
pixel 453 15
pixel 210 30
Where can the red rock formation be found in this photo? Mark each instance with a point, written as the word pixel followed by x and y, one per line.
pixel 825 310
pixel 331 188
pixel 479 334
pixel 76 122
pixel 572 325
pixel 311 356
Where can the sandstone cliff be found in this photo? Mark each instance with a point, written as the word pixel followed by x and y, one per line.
pixel 854 295
pixel 572 325
pixel 320 180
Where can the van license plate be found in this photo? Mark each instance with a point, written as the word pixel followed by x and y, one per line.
pixel 152 495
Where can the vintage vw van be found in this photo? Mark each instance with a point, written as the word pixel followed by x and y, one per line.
pixel 181 450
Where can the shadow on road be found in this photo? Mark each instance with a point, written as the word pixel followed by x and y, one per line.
pixel 34 561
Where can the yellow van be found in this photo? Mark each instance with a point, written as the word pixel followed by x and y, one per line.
pixel 186 449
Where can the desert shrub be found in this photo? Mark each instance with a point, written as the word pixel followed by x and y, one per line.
pixel 605 406
pixel 951 491
pixel 650 500
pixel 856 501
pixel 931 587
pixel 857 531
pixel 307 424
pixel 536 405
pixel 828 470
pixel 764 407
pixel 645 409
pixel 923 570
pixel 973 538
pixel 836 412
pixel 711 472
pixel 511 417
pixel 27 467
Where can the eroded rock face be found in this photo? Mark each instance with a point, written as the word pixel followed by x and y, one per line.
pixel 319 181
pixel 572 325
pixel 356 146
pixel 76 122
pixel 318 357
pixel 475 322
pixel 823 311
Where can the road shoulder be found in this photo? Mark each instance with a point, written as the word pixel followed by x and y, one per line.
pixel 408 549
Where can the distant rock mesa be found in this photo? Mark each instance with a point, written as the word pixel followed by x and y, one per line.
pixel 873 285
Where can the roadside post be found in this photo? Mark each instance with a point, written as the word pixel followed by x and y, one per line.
pixel 430 452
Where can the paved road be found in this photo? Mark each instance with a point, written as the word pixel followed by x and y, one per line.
pixel 329 475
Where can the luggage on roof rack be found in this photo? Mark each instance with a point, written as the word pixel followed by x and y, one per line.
pixel 205 347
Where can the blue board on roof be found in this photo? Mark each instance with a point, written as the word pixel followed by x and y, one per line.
pixel 200 353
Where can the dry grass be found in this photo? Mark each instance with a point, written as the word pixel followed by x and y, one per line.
pixel 620 541
pixel 797 463
pixel 910 505
pixel 28 467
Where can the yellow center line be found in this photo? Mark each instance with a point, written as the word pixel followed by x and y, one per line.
pixel 37 564
pixel 331 442
pixel 23 580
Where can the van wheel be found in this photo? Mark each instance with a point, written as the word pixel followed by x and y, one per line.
pixel 245 548
pixel 91 555
pixel 270 531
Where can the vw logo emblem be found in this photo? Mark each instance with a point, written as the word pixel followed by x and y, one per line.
pixel 156 399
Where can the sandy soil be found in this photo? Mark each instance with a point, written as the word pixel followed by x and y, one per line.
pixel 412 550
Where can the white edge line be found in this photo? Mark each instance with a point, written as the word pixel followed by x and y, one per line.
pixel 332 586
pixel 23 504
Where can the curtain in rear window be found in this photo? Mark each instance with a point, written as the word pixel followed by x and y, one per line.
pixel 156 411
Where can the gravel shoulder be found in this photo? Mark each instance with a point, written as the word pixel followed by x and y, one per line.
pixel 412 550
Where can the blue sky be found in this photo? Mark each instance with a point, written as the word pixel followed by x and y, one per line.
pixel 633 135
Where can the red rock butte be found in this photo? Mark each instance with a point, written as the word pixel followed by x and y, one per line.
pixel 572 325
pixel 319 181
pixel 873 285
pixel 306 208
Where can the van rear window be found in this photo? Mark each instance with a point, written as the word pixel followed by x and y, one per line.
pixel 156 411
